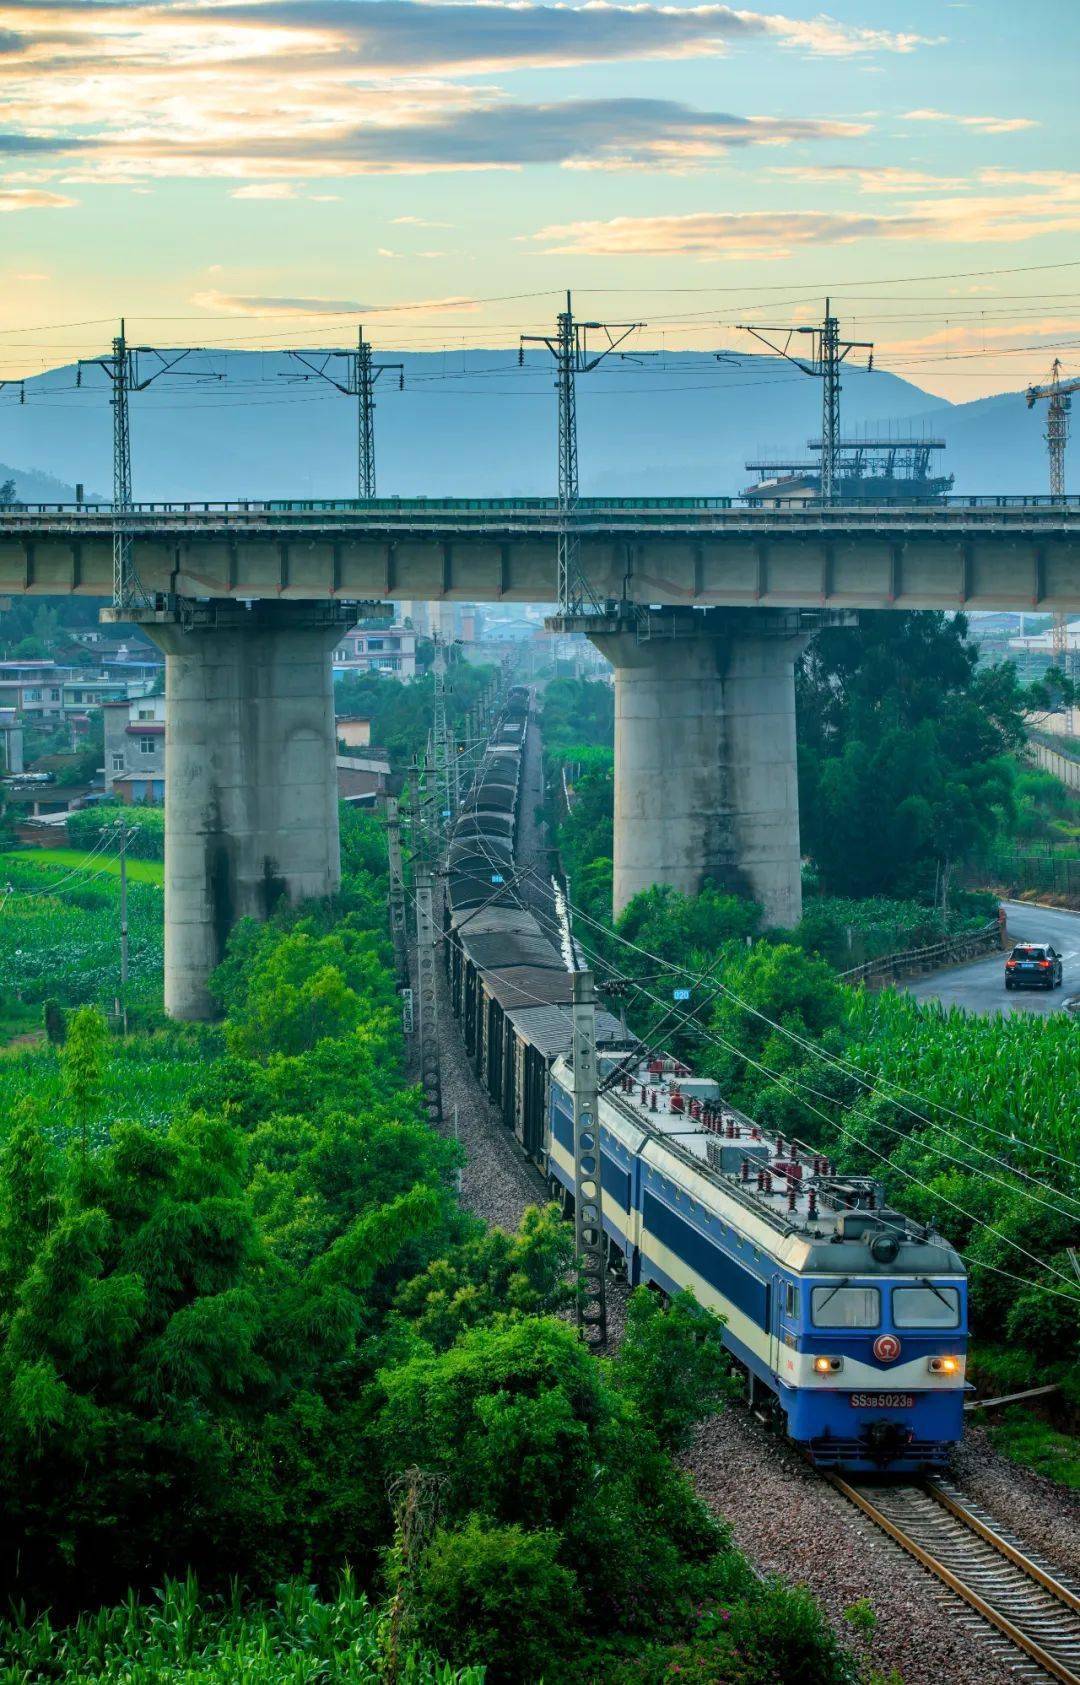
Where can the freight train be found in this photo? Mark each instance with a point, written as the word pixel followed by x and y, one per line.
pixel 848 1318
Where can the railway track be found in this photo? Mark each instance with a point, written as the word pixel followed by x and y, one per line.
pixel 1034 1610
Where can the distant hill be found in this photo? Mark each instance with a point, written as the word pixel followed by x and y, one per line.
pixel 474 423
pixel 34 486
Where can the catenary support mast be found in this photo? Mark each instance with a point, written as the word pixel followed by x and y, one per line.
pixel 588 1210
pixel 569 345
pixel 827 352
pixel 126 374
pixel 357 379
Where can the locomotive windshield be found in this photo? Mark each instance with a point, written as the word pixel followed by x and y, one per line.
pixel 926 1307
pixel 845 1307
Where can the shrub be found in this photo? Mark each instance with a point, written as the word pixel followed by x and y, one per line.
pixel 497 1594
pixel 671 1364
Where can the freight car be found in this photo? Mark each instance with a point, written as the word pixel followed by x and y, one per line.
pixel 849 1319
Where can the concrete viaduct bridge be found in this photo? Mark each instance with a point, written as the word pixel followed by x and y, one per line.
pixel 708 602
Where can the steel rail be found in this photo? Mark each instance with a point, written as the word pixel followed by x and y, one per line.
pixel 1064 1593
pixel 1005 1624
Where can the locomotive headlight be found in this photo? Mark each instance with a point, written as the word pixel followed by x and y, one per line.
pixel 943 1365
pixel 828 1365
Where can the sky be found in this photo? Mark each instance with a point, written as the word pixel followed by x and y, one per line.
pixel 272 172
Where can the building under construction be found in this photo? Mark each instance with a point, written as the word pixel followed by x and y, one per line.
pixel 872 470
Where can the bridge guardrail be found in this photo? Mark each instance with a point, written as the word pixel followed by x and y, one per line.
pixel 966 944
pixel 545 507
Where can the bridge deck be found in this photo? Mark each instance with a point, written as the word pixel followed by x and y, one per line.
pixel 977 552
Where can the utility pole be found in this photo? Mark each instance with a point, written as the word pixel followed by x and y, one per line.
pixel 126 375
pixel 444 760
pixel 359 381
pixel 397 889
pixel 430 1071
pixel 569 345
pixel 1058 396
pixel 124 836
pixel 427 999
pixel 588 1211
pixel 827 352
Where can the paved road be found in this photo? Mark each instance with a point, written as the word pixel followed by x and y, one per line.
pixel 980 986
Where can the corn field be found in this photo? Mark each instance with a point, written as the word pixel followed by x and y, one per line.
pixel 60 936
pixel 182 1636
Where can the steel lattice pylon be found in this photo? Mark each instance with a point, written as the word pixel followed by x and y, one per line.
pixel 570 348
pixel 359 380
pixel 588 1195
pixel 122 368
pixel 827 354
pixel 1058 395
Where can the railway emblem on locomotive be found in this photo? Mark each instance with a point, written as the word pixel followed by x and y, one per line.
pixel 886 1348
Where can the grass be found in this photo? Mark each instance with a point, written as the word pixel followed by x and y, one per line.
pixel 67 859
pixel 144 1079
pixel 180 1636
pixel 1026 1439
pixel 60 932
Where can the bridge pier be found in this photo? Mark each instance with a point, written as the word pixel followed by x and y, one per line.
pixel 706 782
pixel 251 812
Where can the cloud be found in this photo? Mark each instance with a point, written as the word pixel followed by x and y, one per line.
pixel 868 178
pixel 313 86
pixel 258 304
pixel 974 219
pixel 716 234
pixel 614 134
pixel 33 199
pixel 410 35
pixel 986 125
pixel 419 222
pixel 283 307
pixel 265 190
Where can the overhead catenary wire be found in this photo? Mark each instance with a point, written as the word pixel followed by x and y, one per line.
pixel 832 1122
pixel 792 1087
pixel 977 1263
pixel 844 1064
pixel 973 1169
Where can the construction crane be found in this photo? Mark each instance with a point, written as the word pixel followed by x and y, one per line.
pixel 1058 396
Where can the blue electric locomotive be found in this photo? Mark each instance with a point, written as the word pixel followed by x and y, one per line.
pixel 850 1316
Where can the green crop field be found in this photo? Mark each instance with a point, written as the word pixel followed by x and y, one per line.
pixel 139 871
pixel 60 935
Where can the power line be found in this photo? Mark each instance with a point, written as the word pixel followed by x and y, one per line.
pixel 689 1019
pixel 828 1058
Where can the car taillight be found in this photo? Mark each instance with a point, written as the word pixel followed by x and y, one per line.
pixel 1010 965
pixel 1045 964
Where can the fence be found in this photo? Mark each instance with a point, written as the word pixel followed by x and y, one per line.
pixel 1012 871
pixel 966 945
pixel 1063 766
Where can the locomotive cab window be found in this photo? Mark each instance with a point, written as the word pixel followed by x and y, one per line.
pixel 926 1307
pixel 845 1307
pixel 791 1301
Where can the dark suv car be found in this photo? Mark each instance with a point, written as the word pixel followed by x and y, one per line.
pixel 1033 965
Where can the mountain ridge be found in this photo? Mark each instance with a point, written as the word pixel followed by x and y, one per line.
pixel 472 423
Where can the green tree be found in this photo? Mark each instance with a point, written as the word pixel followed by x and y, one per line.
pixel 903 745
pixel 672 1364
pixel 498 1595
pixel 493 1274
pixel 82 1064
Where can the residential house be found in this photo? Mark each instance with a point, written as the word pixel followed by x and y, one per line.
pixel 135 749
